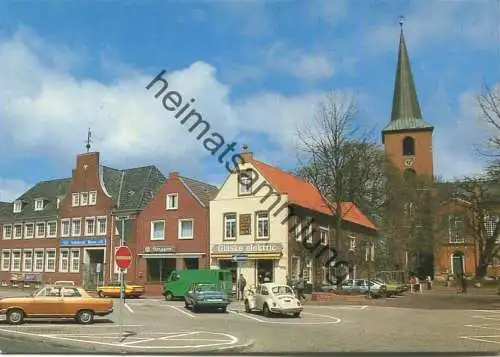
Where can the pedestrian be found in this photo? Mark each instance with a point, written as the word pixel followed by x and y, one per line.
pixel 429 282
pixel 242 283
pixel 464 284
pixel 301 285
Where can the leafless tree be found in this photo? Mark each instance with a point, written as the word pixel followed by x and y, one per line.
pixel 489 112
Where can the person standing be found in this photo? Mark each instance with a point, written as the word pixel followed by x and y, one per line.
pixel 301 285
pixel 242 283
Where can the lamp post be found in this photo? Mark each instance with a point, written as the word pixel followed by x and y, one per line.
pixel 369 258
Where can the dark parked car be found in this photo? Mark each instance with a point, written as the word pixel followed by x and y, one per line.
pixel 206 296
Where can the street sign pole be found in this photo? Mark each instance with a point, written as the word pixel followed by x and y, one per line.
pixel 123 259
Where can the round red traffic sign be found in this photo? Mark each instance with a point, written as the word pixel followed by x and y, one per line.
pixel 123 257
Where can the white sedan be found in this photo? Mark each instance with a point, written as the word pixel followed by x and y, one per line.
pixel 273 298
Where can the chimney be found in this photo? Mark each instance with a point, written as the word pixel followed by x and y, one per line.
pixel 173 175
pixel 245 154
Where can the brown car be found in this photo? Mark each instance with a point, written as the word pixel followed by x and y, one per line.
pixel 55 302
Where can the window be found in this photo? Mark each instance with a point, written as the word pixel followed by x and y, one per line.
pixel 5 260
pixel 84 199
pixel 456 229
pixel 92 198
pixel 71 292
pixel 29 229
pixel 230 226
pixel 490 224
pixel 52 229
pixel 38 260
pixel 309 231
pixel 89 226
pixel 102 226
pixel 298 229
pixel 325 276
pixel 323 235
pixel 245 183
pixel 158 230
pixel 172 201
pixel 18 231
pixel 7 231
pixel 75 261
pixel 40 230
pixel 50 260
pixel 307 272
pixel 18 206
pixel 262 220
pixel 39 205
pixel 75 200
pixel 64 260
pixel 58 202
pixel 65 227
pixel 186 228
pixel 76 227
pixel 352 243
pixel 27 260
pixel 295 267
pixel 16 260
pixel 408 146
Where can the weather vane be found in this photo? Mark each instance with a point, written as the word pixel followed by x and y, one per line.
pixel 401 21
pixel 89 140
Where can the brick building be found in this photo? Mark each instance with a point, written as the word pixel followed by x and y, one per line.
pixel 172 232
pixel 66 229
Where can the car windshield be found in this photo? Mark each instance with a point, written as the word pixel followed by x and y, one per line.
pixel 282 290
pixel 206 287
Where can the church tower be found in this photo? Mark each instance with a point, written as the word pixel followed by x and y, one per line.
pixel 407 138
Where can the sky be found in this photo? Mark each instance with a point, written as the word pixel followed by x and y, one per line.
pixel 256 69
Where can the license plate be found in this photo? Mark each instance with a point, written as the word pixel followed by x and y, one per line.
pixel 214 300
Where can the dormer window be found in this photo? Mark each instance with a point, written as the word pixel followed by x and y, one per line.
pixel 39 203
pixel 18 206
pixel 75 201
pixel 245 183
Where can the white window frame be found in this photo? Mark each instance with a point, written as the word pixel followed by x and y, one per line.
pixel 298 229
pixel 61 260
pixel 48 230
pixel 72 259
pixel 352 243
pixel 44 230
pixel 39 204
pixel 180 228
pixel 37 250
pixel 18 207
pixel 225 222
pixel 90 219
pixel 309 233
pixel 73 233
pixel 244 189
pixel 84 199
pixel 295 263
pixel 4 233
pixel 153 226
pixel 92 198
pixel 26 235
pixel 14 226
pixel 24 260
pixel 258 220
pixel 168 206
pixel 308 271
pixel 68 221
pixel 12 260
pixel 3 268
pixel 47 250
pixel 75 199
pixel 325 231
pixel 98 226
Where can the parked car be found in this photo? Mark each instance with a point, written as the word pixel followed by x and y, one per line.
pixel 360 286
pixel 112 289
pixel 54 301
pixel 65 283
pixel 179 281
pixel 272 298
pixel 206 296
pixel 392 288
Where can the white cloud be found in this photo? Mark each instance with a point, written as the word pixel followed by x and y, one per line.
pixel 10 189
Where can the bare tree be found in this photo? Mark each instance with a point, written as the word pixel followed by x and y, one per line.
pixel 489 107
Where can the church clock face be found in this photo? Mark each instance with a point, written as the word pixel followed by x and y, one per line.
pixel 409 162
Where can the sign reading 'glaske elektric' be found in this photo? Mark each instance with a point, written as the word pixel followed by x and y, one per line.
pixel 247 248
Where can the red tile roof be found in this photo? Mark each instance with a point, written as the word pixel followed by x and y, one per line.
pixel 303 193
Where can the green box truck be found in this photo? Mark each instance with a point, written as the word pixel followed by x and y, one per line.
pixel 179 281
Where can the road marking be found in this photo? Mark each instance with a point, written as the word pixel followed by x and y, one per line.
pixel 335 320
pixel 129 308
pixel 486 326
pixel 486 318
pixel 180 310
pixel 493 311
pixel 481 338
pixel 85 327
pixel 342 307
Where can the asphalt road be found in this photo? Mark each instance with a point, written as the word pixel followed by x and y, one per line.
pixel 167 327
pixel 11 345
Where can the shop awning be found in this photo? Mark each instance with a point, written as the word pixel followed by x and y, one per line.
pixel 171 255
pixel 254 256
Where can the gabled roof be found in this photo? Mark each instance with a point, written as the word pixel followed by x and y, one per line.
pixel 303 193
pixel 202 191
pixel 132 189
pixel 49 190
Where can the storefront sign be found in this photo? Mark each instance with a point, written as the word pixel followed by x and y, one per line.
pixel 33 277
pixel 245 224
pixel 156 250
pixel 247 248
pixel 83 242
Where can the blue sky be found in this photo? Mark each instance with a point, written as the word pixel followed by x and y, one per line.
pixel 257 70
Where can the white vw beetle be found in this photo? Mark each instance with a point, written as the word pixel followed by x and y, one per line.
pixel 273 298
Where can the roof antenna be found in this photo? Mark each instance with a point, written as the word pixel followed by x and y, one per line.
pixel 89 140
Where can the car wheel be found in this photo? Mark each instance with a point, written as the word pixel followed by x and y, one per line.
pixel 247 306
pixel 296 314
pixel 100 293
pixel 224 309
pixel 266 311
pixel 186 305
pixel 15 316
pixel 194 308
pixel 169 296
pixel 85 317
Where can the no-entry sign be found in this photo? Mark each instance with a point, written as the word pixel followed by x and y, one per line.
pixel 123 257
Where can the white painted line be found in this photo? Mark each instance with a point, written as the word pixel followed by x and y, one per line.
pixel 341 307
pixel 486 318
pixel 181 310
pixel 138 341
pixel 177 335
pixel 129 308
pixel 487 326
pixel 481 338
pixel 492 311
pixel 83 327
pixel 335 320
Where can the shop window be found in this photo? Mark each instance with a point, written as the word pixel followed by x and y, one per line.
pixel 265 271
pixel 160 269
pixel 191 263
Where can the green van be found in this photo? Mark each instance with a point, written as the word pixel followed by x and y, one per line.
pixel 179 281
